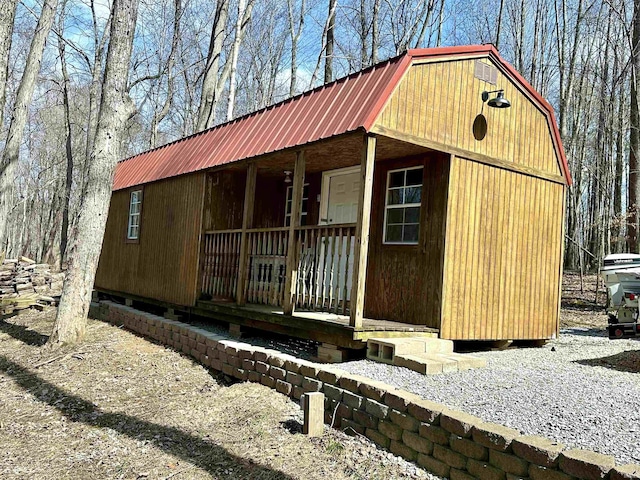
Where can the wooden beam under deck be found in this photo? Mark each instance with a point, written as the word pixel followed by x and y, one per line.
pixel 316 326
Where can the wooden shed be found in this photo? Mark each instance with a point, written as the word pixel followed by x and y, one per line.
pixel 395 201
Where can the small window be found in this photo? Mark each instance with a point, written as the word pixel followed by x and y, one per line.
pixel 289 203
pixel 402 206
pixel 135 207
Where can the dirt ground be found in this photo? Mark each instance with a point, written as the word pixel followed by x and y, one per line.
pixel 583 302
pixel 121 407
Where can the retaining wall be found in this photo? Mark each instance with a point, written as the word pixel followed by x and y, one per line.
pixel 446 442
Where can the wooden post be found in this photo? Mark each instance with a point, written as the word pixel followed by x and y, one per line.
pixel 313 408
pixel 292 258
pixel 247 223
pixel 362 231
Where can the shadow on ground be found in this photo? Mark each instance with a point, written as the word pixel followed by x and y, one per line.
pixel 585 332
pixel 23 333
pixel 197 451
pixel 628 361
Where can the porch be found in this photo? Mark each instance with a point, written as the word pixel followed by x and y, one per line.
pixel 285 242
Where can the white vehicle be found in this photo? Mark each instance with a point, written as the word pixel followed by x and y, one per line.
pixel 621 275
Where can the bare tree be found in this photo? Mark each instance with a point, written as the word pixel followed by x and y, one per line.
pixel 634 132
pixel 19 116
pixel 244 17
pixel 115 109
pixel 7 17
pixel 295 30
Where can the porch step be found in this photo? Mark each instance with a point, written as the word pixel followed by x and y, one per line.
pixel 435 363
pixel 385 350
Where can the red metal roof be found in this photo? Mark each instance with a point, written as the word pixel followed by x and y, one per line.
pixel 339 107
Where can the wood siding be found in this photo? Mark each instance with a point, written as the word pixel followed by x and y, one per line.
pixel 503 254
pixel 440 101
pixel 404 282
pixel 163 265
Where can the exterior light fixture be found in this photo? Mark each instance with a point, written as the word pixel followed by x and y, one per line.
pixel 498 102
pixel 287 176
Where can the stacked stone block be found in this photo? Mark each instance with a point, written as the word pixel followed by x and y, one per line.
pixel 446 442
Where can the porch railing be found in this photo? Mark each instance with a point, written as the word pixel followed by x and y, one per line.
pixel 220 264
pixel 325 267
pixel 324 256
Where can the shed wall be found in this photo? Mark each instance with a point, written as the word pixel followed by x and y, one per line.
pixel 404 282
pixel 440 101
pixel 163 265
pixel 503 254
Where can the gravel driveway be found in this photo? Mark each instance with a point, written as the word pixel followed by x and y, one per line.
pixel 582 390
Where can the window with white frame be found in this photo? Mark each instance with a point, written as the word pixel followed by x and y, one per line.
pixel 289 203
pixel 135 207
pixel 402 206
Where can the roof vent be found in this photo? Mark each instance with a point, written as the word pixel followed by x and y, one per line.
pixel 486 72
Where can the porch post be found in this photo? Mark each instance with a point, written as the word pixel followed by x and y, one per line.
pixel 362 231
pixel 292 257
pixel 247 223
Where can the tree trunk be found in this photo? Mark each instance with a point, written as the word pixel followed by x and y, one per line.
pixel 634 133
pixel 209 98
pixel 295 38
pixel 244 16
pixel 19 116
pixel 328 59
pixel 375 32
pixel 66 203
pixel 7 17
pixel 115 109
pixel 164 111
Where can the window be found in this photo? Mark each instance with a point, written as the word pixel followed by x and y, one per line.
pixel 402 206
pixel 135 207
pixel 303 210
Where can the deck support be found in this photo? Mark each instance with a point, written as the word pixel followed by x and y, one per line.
pixel 362 231
pixel 247 223
pixel 296 204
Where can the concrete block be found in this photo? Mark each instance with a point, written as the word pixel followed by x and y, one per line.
pixel 262 367
pixel 352 382
pixel 388 429
pixel 434 433
pixel 313 408
pixel 626 472
pixel 402 450
pixel 455 474
pixel 227 369
pixel 417 443
pixel 468 448
pixel 278 373
pixel 248 364
pixel 334 393
pixel 254 376
pixel 425 366
pixel 399 400
pixel 298 392
pixel 509 463
pixel 311 384
pixel 284 387
pixel 373 389
pixel 586 464
pixel 494 436
pixel 364 419
pixel 331 377
pixel 348 425
pixel 268 381
pixel 376 409
pixel 352 399
pixel 377 437
pixel 294 378
pixel 448 456
pixel 538 450
pixel 434 465
pixel 404 420
pixel 459 423
pixel 426 411
pixel 536 472
pixel 484 471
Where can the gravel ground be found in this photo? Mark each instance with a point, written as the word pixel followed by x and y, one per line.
pixel 582 390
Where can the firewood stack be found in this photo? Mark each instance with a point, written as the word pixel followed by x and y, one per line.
pixel 25 284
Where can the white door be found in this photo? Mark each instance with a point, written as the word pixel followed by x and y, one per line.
pixel 341 191
pixel 342 202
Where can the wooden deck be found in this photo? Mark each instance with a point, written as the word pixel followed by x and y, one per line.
pixel 318 326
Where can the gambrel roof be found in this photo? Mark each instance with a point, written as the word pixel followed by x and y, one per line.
pixel 345 105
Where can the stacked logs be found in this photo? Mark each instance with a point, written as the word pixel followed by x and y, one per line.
pixel 25 284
